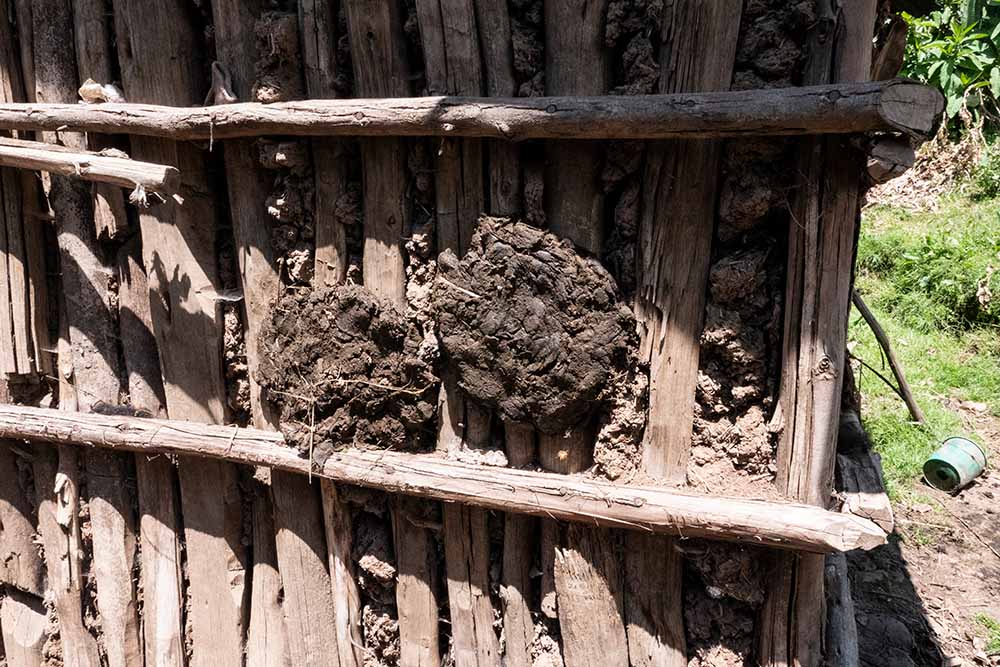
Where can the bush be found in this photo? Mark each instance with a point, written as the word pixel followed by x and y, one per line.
pixel 956 50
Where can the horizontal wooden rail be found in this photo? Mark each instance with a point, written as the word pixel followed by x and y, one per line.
pixel 896 105
pixel 88 166
pixel 572 498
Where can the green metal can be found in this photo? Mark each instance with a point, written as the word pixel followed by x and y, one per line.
pixel 956 462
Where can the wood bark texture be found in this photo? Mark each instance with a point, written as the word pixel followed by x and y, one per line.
pixel 820 259
pixel 22 629
pixel 87 165
pixel 892 106
pixel 571 498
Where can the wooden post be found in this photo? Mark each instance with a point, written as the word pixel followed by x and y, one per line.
pixel 308 596
pixel 585 577
pixel 159 529
pixel 820 262
pixel 57 478
pixel 451 54
pixel 95 61
pixel 93 361
pixel 22 628
pixel 22 267
pixel 21 565
pixel 519 546
pixel 380 70
pixel 179 254
pixel 318 35
pixel 697 54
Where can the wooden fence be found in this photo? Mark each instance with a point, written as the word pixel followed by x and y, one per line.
pixel 145 521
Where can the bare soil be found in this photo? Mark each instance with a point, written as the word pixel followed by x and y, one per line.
pixel 917 597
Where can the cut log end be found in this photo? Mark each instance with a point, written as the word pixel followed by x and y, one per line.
pixel 912 108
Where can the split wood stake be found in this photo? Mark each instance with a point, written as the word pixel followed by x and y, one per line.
pixel 88 166
pixel 787 525
pixel 847 108
pixel 897 371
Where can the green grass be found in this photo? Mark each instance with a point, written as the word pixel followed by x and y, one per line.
pixel 919 273
pixel 931 265
pixel 991 629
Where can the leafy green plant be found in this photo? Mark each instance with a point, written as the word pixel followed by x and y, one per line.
pixel 960 58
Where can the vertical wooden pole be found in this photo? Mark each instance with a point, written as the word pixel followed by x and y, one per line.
pixel 520 543
pixel 580 576
pixel 21 566
pixel 159 529
pixel 817 300
pixel 300 548
pixel 380 70
pixel 157 45
pixel 452 65
pixel 94 56
pixel 57 492
pixel 22 267
pixel 22 629
pixel 318 34
pixel 697 54
pixel 93 343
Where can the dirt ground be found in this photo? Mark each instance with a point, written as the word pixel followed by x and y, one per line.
pixel 916 598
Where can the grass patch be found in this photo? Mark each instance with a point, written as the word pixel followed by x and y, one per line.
pixel 991 628
pixel 916 272
pixel 937 269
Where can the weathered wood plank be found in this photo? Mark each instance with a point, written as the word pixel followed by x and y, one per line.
pixel 93 362
pixel 820 258
pixel 416 587
pixel 307 603
pixel 697 54
pixel 17 282
pixel 585 576
pixel 21 564
pixel 95 61
pixel 266 632
pixel 339 538
pixel 452 66
pixel 589 590
pixel 310 622
pixel 159 528
pixel 318 35
pixel 893 106
pixel 22 629
pixel 572 498
pixel 520 543
pixel 178 243
pixel 380 69
pixel 493 22
pixel 57 492
pixel 654 601
pixel 576 63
